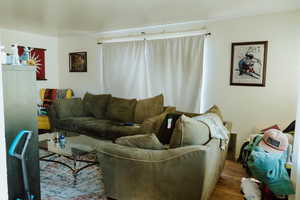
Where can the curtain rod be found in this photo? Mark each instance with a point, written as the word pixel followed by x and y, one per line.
pixel 144 36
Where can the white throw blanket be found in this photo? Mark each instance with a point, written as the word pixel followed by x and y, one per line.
pixel 217 129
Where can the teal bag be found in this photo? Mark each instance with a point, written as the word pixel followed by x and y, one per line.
pixel 269 168
pixel 247 151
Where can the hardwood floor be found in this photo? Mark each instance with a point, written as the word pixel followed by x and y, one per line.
pixel 228 187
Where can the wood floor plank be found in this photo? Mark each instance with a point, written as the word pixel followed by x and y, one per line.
pixel 228 186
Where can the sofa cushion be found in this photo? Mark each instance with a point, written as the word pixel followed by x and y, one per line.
pixel 121 110
pixel 153 124
pixel 215 109
pixel 66 108
pixel 148 141
pixel 99 128
pixel 96 105
pixel 188 114
pixel 189 131
pixel 150 107
pixel 83 124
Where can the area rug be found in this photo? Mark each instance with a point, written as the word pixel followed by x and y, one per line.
pixel 57 181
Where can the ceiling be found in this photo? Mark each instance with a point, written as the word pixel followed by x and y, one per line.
pixel 91 16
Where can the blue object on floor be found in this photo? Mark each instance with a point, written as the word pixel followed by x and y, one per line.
pixel 21 157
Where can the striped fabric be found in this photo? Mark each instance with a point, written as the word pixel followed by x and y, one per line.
pixel 52 94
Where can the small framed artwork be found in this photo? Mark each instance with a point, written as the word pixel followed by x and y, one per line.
pixel 249 63
pixel 78 62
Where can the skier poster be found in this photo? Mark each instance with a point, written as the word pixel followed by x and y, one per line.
pixel 248 63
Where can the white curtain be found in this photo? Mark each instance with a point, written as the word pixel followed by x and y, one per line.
pixel 147 68
pixel 176 67
pixel 125 70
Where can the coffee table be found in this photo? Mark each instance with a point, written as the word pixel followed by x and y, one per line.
pixel 73 150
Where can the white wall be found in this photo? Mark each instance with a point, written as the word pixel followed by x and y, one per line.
pixel 295 176
pixel 252 107
pixel 80 82
pixel 9 37
pixel 247 107
pixel 3 170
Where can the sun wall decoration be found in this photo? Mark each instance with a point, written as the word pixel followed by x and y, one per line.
pixel 37 59
pixel 34 61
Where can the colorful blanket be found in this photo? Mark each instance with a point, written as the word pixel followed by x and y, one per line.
pixel 53 94
pixel 49 95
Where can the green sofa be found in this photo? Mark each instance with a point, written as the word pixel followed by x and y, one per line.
pixel 102 116
pixel 189 172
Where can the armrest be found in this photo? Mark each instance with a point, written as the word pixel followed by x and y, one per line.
pixel 145 155
pixel 197 166
pixel 152 125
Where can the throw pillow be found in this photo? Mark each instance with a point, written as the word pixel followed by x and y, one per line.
pixel 188 114
pixel 215 109
pixel 148 141
pixel 121 110
pixel 147 108
pixel 153 124
pixel 66 108
pixel 166 129
pixel 189 131
pixel 96 105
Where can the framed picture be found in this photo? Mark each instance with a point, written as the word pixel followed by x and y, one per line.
pixel 249 63
pixel 78 62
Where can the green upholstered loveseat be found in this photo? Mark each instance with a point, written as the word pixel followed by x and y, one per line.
pixel 189 172
pixel 102 116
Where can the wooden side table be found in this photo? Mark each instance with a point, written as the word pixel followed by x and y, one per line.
pixel 232 146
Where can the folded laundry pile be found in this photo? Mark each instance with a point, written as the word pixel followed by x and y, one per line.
pixel 268 154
